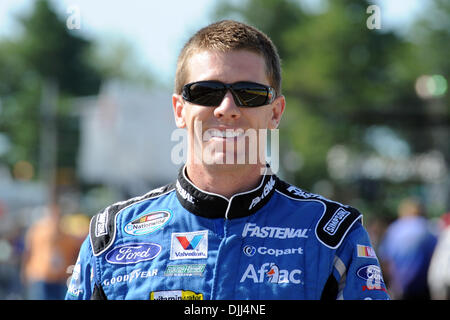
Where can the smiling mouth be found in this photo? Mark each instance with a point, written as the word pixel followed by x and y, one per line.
pixel 223 134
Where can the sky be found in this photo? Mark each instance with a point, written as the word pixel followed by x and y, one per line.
pixel 156 30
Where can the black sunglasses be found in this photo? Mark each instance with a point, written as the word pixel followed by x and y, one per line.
pixel 245 94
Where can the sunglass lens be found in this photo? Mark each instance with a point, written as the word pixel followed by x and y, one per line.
pixel 207 93
pixel 251 94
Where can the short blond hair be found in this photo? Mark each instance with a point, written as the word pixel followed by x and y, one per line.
pixel 225 36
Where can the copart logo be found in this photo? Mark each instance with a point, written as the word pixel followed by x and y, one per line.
pixel 148 223
pixel 271 273
pixel 251 250
pixel 133 253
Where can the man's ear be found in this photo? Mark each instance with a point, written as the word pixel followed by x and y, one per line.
pixel 277 111
pixel 178 110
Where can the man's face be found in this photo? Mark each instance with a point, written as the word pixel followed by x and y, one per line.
pixel 217 135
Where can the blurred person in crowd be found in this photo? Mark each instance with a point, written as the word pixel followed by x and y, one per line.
pixel 49 251
pixel 439 271
pixel 406 251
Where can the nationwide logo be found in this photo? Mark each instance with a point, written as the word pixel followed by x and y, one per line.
pixel 271 273
pixel 133 253
pixel 148 223
pixel 189 245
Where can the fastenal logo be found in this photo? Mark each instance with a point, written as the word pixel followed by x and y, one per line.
pixel 148 223
pixel 189 245
pixel 252 230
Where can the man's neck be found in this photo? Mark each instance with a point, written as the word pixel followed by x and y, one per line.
pixel 225 180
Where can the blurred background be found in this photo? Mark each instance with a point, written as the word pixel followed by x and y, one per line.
pixel 86 120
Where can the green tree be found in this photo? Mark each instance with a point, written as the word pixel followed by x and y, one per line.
pixel 342 79
pixel 45 53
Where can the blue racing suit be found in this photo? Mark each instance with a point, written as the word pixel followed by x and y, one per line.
pixel 273 242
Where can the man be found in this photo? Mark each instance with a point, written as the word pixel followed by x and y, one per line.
pixel 227 228
pixel 406 251
pixel 49 250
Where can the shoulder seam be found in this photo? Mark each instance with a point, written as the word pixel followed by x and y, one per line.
pixel 105 211
pixel 335 221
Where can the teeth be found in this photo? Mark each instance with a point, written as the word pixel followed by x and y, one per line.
pixel 224 134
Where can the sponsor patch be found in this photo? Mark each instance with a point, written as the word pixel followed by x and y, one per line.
pixel 372 274
pixel 189 245
pixel 100 224
pixel 148 223
pixel 267 188
pixel 133 253
pixel 175 295
pixel 75 288
pixel 130 277
pixel 250 251
pixel 365 251
pixel 335 221
pixel 270 272
pixel 185 270
pixel 253 230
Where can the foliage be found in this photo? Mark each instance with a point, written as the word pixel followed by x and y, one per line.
pixel 45 50
pixel 342 79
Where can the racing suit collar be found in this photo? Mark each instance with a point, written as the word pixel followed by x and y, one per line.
pixel 212 205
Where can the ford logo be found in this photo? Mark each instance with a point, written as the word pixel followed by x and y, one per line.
pixel 371 273
pixel 133 253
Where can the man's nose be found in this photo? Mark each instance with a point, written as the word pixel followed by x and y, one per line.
pixel 227 110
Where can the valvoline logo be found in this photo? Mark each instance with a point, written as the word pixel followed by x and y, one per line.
pixel 133 253
pixel 189 245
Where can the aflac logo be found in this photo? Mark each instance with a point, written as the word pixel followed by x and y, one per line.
pixel 133 253
pixel 273 274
